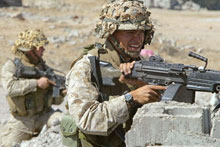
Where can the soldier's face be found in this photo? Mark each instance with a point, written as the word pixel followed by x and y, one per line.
pixel 35 54
pixel 39 52
pixel 130 40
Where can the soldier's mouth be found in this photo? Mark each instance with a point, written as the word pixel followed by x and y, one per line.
pixel 134 47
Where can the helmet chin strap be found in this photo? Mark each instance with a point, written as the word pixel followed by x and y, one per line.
pixel 125 55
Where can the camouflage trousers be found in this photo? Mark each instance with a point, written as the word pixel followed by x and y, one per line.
pixel 20 128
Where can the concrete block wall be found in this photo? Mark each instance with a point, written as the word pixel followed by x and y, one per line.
pixel 154 123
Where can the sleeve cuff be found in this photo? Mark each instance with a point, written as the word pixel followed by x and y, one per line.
pixel 120 109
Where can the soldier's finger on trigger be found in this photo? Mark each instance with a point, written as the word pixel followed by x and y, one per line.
pixel 156 87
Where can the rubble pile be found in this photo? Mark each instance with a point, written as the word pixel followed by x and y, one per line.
pixel 49 137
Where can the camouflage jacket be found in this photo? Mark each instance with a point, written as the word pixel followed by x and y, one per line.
pixel 91 116
pixel 12 85
pixel 23 95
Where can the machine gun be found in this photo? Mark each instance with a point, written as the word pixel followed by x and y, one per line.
pixel 23 71
pixel 182 80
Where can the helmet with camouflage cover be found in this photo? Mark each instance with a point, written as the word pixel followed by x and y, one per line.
pixel 28 40
pixel 125 15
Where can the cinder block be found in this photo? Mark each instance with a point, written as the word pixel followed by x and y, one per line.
pixel 152 122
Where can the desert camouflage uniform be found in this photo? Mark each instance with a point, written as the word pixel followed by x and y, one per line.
pixel 30 106
pixel 91 116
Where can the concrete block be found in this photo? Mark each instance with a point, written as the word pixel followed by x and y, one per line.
pixel 215 131
pixel 181 138
pixel 215 125
pixel 152 122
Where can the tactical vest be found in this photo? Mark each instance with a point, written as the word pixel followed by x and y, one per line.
pixel 32 103
pixel 113 140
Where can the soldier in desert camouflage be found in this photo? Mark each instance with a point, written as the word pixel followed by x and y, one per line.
pixel 29 99
pixel 126 27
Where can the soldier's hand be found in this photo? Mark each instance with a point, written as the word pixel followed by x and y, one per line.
pixel 147 94
pixel 125 68
pixel 44 83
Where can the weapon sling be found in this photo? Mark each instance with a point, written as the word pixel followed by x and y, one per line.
pixel 97 78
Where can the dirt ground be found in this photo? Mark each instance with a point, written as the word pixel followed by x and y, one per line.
pixel 200 29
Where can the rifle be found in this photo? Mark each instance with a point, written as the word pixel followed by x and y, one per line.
pixel 28 72
pixel 182 80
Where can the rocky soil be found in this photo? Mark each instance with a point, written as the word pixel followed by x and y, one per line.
pixel 69 26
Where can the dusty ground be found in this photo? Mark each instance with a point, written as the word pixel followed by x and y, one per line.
pixel 74 24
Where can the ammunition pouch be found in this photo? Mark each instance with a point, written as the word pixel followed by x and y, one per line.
pixel 17 105
pixel 29 104
pixel 69 131
pixel 73 137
